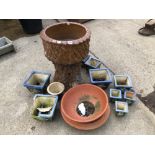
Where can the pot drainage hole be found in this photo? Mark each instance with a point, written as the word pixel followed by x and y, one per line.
pixel 85 108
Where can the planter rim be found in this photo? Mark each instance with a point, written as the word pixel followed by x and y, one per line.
pixel 72 42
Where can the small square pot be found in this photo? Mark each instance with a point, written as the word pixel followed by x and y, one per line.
pixel 100 76
pixel 37 82
pixel 121 108
pixel 115 95
pixel 92 62
pixel 47 100
pixel 122 81
pixel 129 96
pixel 5 45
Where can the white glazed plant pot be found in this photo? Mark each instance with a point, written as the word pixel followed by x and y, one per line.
pixel 5 45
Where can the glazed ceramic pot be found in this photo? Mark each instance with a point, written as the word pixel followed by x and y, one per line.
pixel 37 82
pixel 121 108
pixel 115 95
pixel 101 77
pixel 93 62
pixel 130 97
pixel 44 107
pixel 66 45
pixel 6 45
pixel 123 82
pixel 55 88
pixel 89 97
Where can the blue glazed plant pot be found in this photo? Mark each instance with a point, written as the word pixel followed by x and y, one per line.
pixel 44 107
pixel 37 82
pixel 130 97
pixel 100 77
pixel 122 82
pixel 115 95
pixel 121 108
pixel 92 62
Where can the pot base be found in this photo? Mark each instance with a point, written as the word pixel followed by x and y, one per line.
pixel 67 74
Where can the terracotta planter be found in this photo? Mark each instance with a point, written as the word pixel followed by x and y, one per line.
pixel 66 45
pixel 89 126
pixel 84 93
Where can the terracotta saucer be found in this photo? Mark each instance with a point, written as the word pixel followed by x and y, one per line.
pixel 88 126
pixel 80 94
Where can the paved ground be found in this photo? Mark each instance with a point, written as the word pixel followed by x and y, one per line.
pixel 116 42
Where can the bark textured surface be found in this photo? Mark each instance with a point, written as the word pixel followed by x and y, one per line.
pixel 66 54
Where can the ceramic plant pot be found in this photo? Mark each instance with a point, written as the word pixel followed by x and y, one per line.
pixel 121 108
pixel 37 82
pixel 115 95
pixel 44 107
pixel 100 77
pixel 130 97
pixel 5 45
pixel 92 62
pixel 66 45
pixel 55 88
pixel 122 82
pixel 92 100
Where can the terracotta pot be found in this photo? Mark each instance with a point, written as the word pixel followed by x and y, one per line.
pixel 91 125
pixel 80 94
pixel 66 45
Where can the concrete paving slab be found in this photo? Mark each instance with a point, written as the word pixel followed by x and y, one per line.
pixel 117 44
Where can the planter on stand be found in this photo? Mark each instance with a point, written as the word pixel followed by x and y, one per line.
pixel 66 45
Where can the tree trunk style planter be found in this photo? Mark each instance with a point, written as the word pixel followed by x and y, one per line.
pixel 66 45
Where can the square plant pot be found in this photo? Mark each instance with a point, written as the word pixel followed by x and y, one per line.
pixel 44 107
pixel 100 76
pixel 115 95
pixel 92 62
pixel 121 108
pixel 123 82
pixel 5 45
pixel 130 97
pixel 37 82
